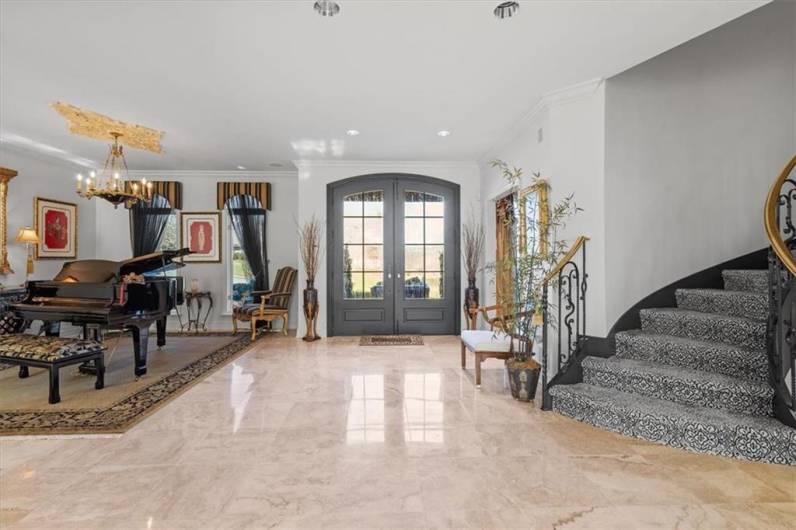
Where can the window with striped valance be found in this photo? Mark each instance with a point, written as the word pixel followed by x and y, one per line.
pixel 259 190
pixel 170 189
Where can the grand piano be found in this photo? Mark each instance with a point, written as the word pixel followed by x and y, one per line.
pixel 117 295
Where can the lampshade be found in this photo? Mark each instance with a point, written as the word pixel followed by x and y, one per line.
pixel 27 235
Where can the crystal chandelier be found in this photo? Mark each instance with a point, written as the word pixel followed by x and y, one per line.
pixel 110 184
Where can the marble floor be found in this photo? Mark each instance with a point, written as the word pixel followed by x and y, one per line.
pixel 330 434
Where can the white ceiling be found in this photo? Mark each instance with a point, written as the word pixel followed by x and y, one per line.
pixel 253 83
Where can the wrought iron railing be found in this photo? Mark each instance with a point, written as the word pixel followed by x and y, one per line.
pixel 563 314
pixel 781 328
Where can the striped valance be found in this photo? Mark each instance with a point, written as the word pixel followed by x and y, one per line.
pixel 258 190
pixel 170 189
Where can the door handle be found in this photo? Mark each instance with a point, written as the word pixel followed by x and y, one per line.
pixel 398 275
pixel 389 276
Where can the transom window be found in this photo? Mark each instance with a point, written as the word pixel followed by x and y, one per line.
pixel 424 245
pixel 363 242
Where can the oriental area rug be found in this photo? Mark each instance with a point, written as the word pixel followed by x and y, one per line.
pixel 186 359
pixel 391 340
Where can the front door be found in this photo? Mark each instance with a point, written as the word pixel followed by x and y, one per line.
pixel 393 249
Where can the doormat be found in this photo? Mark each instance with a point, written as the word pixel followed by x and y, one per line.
pixel 391 340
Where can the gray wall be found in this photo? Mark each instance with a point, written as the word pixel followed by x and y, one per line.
pixel 42 178
pixel 694 138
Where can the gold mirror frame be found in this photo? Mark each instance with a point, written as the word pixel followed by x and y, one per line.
pixel 5 175
pixel 540 193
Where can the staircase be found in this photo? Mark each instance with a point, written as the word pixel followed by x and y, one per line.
pixel 693 377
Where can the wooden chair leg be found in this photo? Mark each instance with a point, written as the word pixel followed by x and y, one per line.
pixel 464 357
pixel 478 360
pixel 234 324
pixel 55 394
pixel 284 324
pixel 254 327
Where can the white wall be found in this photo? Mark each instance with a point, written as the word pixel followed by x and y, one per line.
pixel 313 178
pixel 570 156
pixel 694 139
pixel 199 195
pixel 47 178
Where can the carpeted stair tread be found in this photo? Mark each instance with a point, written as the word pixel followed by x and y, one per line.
pixel 705 356
pixel 688 387
pixel 745 304
pixel 751 280
pixel 697 429
pixel 743 332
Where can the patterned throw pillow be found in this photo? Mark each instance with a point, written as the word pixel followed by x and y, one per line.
pixel 10 323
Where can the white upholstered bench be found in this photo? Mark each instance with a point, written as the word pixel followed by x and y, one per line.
pixel 484 344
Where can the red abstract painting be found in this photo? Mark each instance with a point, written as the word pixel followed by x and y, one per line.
pixel 201 237
pixel 56 229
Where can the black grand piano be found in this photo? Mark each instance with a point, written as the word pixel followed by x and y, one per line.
pixel 117 295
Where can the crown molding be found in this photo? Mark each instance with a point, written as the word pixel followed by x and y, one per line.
pixel 193 173
pixel 547 101
pixel 383 164
pixel 42 151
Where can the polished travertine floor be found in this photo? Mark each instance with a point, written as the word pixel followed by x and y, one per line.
pixel 330 434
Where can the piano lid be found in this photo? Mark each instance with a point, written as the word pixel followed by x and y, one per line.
pixel 152 263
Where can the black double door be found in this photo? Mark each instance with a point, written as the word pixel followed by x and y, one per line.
pixel 394 256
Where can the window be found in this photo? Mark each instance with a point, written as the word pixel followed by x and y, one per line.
pixel 171 234
pixel 241 280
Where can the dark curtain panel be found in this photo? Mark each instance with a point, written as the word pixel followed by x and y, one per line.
pixel 248 220
pixel 147 222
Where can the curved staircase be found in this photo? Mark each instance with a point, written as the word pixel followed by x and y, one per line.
pixel 693 377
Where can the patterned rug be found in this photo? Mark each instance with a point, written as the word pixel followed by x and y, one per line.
pixel 123 414
pixel 391 340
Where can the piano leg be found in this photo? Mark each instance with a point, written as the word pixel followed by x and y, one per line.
pixel 140 344
pixel 52 329
pixel 161 328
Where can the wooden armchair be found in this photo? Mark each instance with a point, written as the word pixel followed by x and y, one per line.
pixel 497 316
pixel 274 304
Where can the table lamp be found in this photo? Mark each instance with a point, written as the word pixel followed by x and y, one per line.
pixel 28 236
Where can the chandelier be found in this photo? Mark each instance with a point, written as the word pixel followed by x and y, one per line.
pixel 110 184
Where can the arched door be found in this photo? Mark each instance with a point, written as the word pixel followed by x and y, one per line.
pixel 393 247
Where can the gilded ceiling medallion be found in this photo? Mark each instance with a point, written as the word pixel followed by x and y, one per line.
pixel 99 127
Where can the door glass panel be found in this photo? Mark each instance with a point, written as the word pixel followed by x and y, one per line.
pixel 352 230
pixel 363 239
pixel 424 249
pixel 374 230
pixel 413 258
pixel 353 258
pixel 413 230
pixel 374 258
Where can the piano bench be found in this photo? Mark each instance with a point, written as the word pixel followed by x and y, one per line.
pixel 52 353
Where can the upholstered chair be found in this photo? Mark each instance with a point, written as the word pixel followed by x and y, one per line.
pixel 274 304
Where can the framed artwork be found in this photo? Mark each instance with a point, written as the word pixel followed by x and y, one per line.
pixel 201 233
pixel 56 226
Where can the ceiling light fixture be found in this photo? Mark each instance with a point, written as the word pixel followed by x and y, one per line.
pixel 443 133
pixel 276 164
pixel 506 9
pixel 352 132
pixel 241 168
pixel 326 8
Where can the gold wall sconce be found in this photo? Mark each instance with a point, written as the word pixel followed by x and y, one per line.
pixel 28 236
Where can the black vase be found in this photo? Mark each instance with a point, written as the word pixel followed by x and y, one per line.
pixel 311 310
pixel 470 302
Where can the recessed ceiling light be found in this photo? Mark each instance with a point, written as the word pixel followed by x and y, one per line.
pixel 241 167
pixel 506 9
pixel 275 164
pixel 352 132
pixel 443 133
pixel 326 8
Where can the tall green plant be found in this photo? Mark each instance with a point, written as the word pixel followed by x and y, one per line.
pixel 530 266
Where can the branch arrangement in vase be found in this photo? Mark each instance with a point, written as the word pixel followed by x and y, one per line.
pixel 310 235
pixel 531 264
pixel 474 240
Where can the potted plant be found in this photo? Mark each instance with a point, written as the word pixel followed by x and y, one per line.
pixel 310 235
pixel 535 251
pixel 474 239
